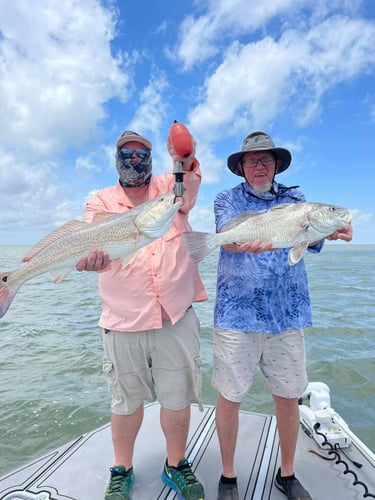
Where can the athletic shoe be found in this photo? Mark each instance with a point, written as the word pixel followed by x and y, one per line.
pixel 292 488
pixel 183 480
pixel 227 491
pixel 120 484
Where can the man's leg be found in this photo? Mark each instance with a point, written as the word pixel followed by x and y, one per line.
pixel 227 417
pixel 287 415
pixel 177 472
pixel 175 425
pixel 124 432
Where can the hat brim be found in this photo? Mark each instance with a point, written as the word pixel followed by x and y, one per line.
pixel 135 137
pixel 281 153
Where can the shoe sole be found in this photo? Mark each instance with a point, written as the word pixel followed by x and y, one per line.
pixel 170 483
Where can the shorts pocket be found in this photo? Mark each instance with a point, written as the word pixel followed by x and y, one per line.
pixel 109 373
pixel 112 382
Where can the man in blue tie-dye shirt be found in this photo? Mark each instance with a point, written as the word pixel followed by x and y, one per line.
pixel 262 306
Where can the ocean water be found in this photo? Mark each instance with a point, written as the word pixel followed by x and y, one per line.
pixel 51 385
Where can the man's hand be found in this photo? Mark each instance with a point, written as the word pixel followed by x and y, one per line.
pixel 97 260
pixel 345 234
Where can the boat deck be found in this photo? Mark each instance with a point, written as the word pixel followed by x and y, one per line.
pixel 80 469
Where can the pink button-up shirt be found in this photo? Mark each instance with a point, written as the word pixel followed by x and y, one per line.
pixel 160 282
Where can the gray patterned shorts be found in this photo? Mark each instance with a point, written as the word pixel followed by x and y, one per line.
pixel 280 357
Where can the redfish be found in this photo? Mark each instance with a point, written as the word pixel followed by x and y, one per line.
pixel 120 235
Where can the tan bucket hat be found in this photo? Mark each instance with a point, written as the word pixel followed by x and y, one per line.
pixel 259 141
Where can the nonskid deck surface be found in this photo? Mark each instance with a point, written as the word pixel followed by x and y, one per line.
pixel 80 469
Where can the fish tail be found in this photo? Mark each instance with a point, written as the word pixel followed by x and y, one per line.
pixel 7 291
pixel 198 244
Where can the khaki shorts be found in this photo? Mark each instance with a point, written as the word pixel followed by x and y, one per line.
pixel 280 357
pixel 139 366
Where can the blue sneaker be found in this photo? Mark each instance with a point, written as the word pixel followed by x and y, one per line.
pixel 182 480
pixel 120 484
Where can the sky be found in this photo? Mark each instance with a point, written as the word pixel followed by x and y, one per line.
pixel 75 74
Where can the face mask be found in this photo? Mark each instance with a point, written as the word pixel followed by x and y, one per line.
pixel 134 170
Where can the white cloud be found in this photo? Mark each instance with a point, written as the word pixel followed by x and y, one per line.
pixel 259 80
pixel 88 162
pixel 205 35
pixel 61 79
pixel 211 165
pixel 151 112
pixel 363 226
pixel 202 218
pixel 57 73
pixel 29 193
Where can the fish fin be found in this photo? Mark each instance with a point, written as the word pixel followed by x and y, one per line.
pixel 157 228
pixel 295 254
pixel 301 236
pixel 198 244
pixel 7 291
pixel 61 231
pixel 61 275
pixel 282 206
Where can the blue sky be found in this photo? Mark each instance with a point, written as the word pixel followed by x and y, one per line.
pixel 75 74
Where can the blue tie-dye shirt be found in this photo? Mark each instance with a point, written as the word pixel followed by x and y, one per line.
pixel 259 292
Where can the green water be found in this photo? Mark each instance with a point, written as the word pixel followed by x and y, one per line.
pixel 52 388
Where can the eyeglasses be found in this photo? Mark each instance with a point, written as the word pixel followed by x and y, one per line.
pixel 128 152
pixel 253 162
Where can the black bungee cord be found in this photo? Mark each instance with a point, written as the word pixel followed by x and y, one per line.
pixel 334 450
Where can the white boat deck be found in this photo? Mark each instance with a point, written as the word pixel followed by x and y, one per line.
pixel 80 469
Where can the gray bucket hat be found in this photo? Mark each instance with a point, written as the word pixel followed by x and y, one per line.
pixel 129 136
pixel 259 141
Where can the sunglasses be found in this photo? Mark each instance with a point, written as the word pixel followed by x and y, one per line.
pixel 141 153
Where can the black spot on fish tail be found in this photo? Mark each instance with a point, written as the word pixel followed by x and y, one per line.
pixel 4 279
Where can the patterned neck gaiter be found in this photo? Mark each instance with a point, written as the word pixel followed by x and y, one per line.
pixel 134 171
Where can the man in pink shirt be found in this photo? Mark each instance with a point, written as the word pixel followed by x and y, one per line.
pixel 149 329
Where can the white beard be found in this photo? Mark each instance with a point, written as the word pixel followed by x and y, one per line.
pixel 264 188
